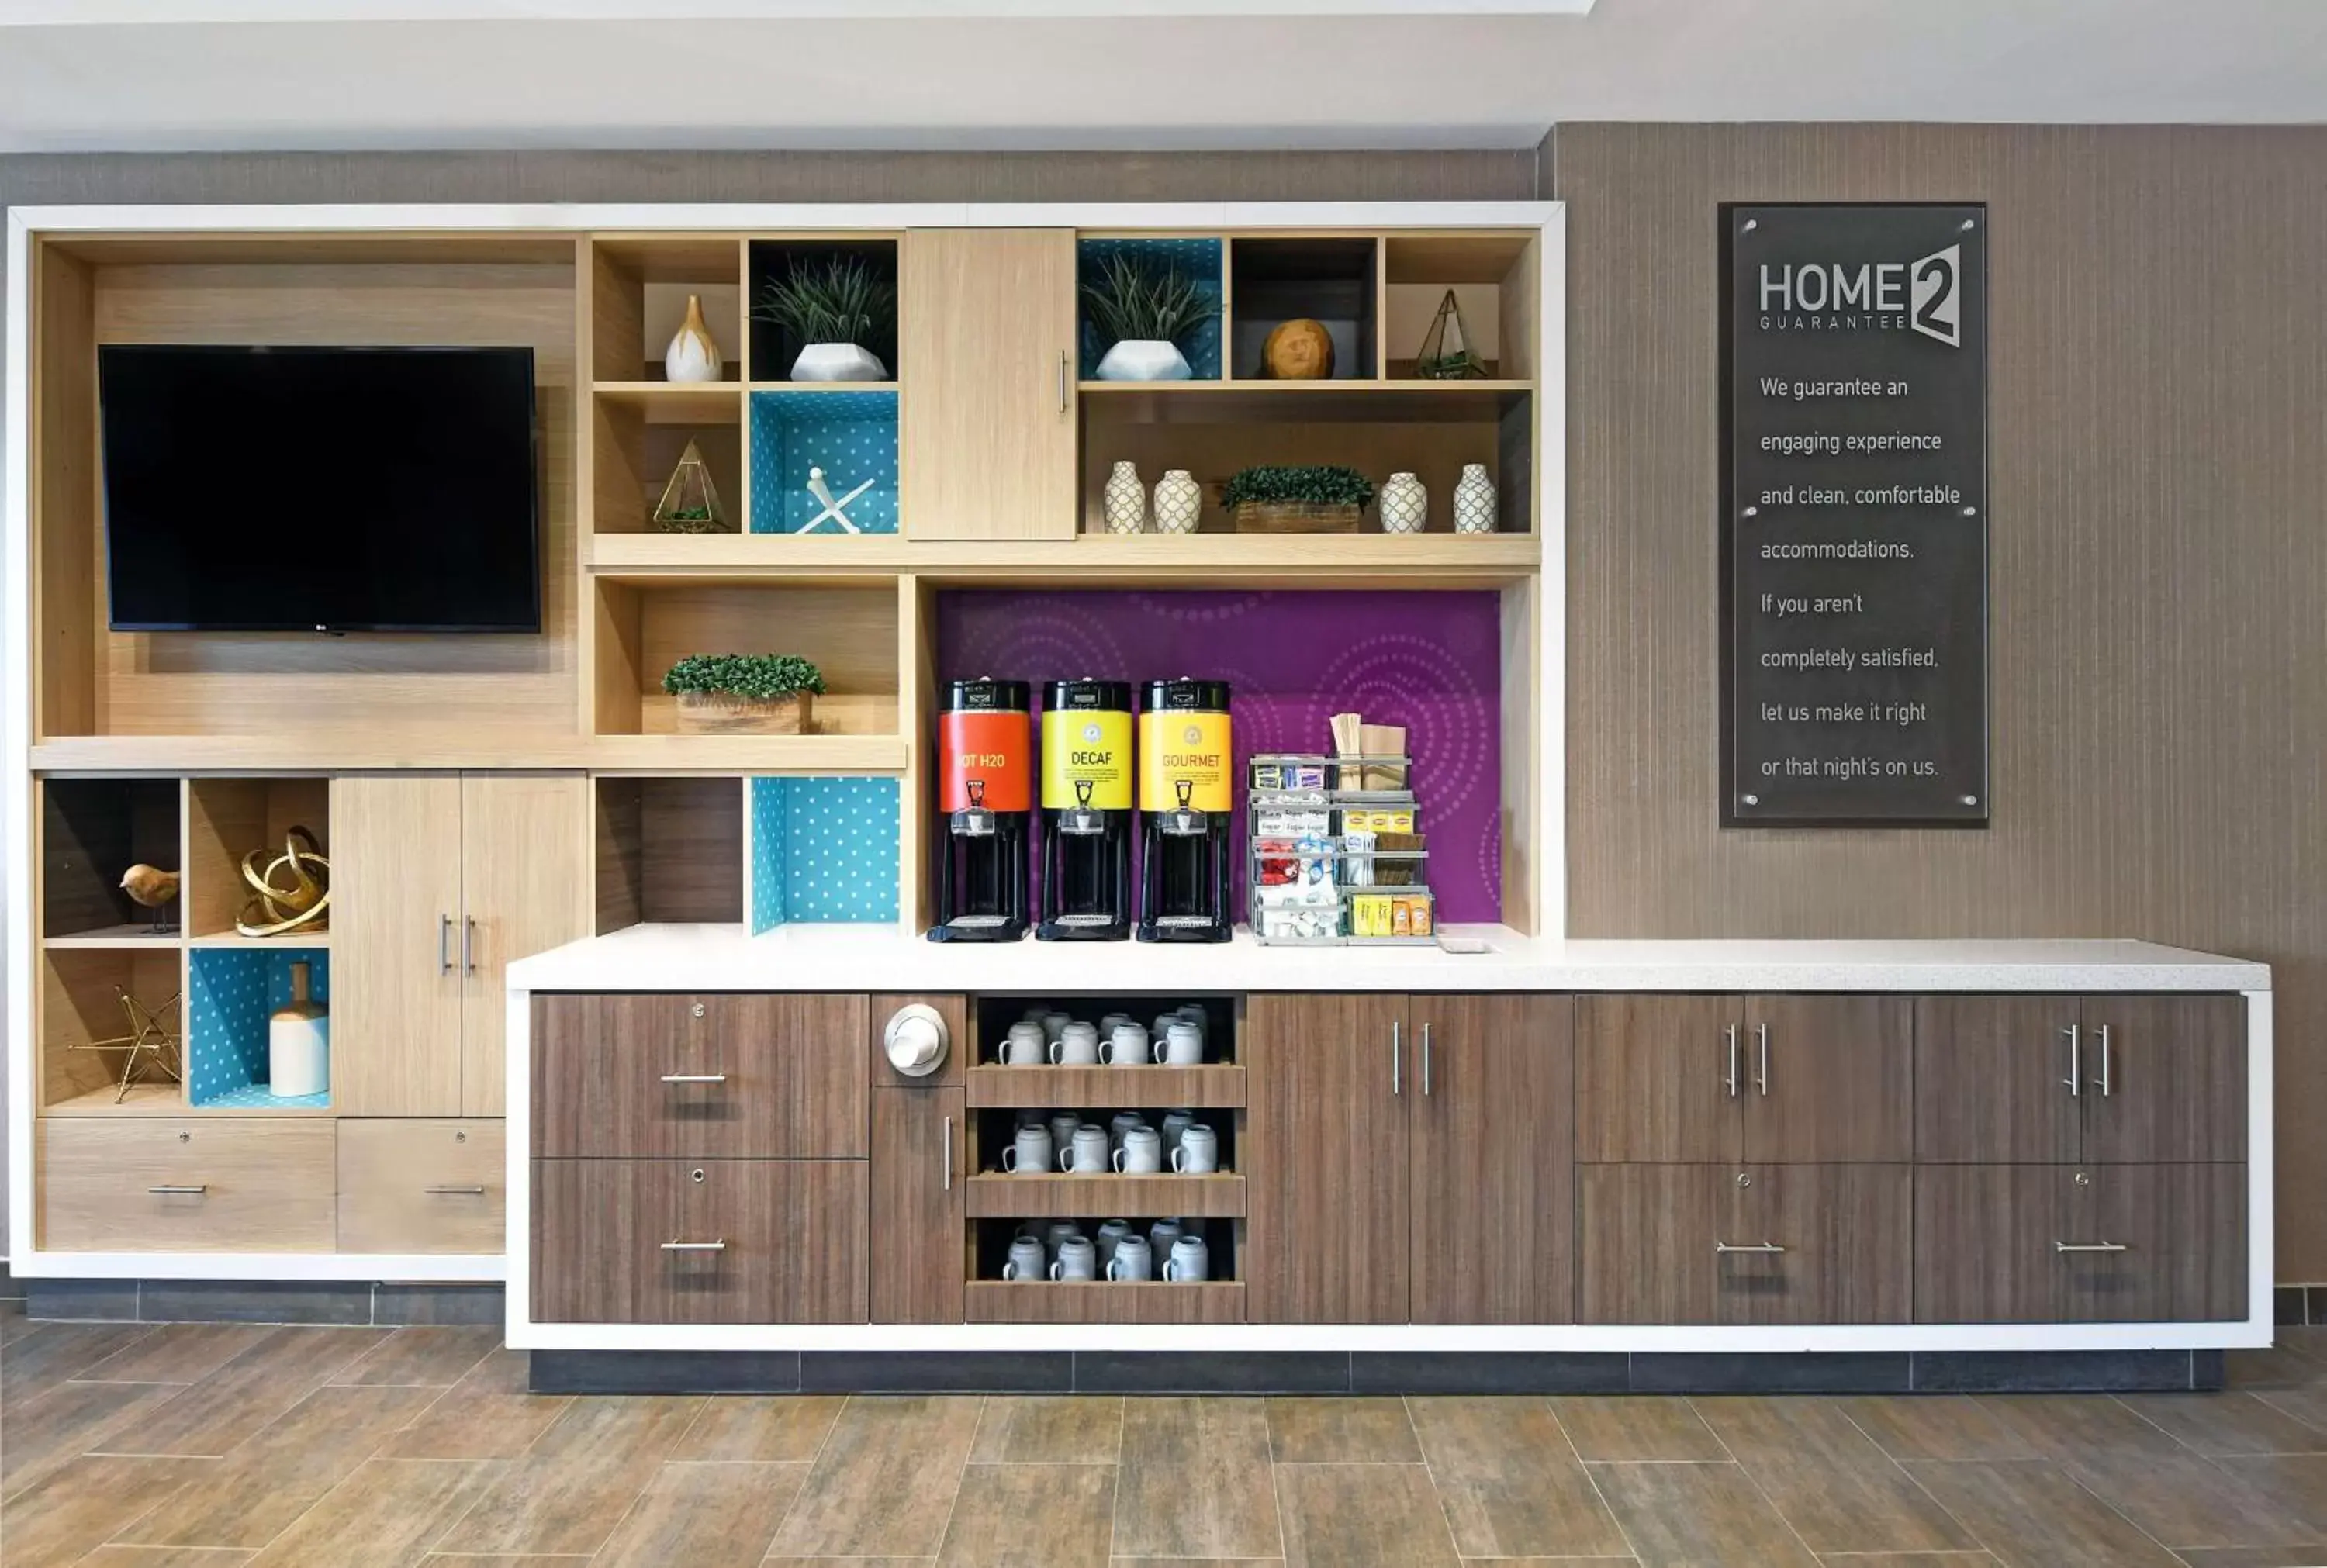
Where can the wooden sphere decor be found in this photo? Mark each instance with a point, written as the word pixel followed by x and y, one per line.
pixel 1298 350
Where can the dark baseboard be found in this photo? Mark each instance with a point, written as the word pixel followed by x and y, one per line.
pixel 340 1302
pixel 1289 1372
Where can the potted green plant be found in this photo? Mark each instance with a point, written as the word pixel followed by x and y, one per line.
pixel 1315 499
pixel 1141 309
pixel 836 307
pixel 743 694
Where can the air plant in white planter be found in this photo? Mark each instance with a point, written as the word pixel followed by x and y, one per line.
pixel 1141 309
pixel 834 308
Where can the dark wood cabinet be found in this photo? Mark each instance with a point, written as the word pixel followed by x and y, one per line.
pixel 1994 1079
pixel 1490 1129
pixel 919 1185
pixel 1844 1239
pixel 1985 1241
pixel 2165 1078
pixel 1644 1235
pixel 1325 1157
pixel 1828 1079
pixel 1659 1078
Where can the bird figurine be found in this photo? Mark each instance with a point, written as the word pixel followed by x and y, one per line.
pixel 155 889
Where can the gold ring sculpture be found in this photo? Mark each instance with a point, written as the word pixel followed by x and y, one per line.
pixel 274 910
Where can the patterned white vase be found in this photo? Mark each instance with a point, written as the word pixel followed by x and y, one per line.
pixel 1179 502
pixel 1474 501
pixel 692 355
pixel 1405 505
pixel 1124 500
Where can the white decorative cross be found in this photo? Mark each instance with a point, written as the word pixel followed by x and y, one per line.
pixel 832 509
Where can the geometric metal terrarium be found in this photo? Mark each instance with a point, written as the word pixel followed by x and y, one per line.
pixel 1445 354
pixel 690 501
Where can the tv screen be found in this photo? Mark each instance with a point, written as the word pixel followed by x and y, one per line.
pixel 319 489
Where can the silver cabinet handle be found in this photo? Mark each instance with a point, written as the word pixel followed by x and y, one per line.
pixel 1730 1080
pixel 468 943
pixel 720 1245
pixel 2089 1247
pixel 1762 1040
pixel 1724 1246
pixel 1062 381
pixel 194 1191
pixel 2105 1061
pixel 1425 1061
pixel 444 944
pixel 695 1077
pixel 454 1191
pixel 947 1184
pixel 1396 1055
pixel 2075 1070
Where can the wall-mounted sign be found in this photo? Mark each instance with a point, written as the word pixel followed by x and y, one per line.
pixel 1854 523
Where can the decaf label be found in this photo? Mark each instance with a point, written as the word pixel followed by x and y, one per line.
pixel 1089 746
pixel 1176 746
pixel 1853 526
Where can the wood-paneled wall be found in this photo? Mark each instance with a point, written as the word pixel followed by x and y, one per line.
pixel 2158 574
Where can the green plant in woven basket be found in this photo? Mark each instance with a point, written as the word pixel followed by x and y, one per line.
pixel 1131 299
pixel 1320 485
pixel 836 301
pixel 759 677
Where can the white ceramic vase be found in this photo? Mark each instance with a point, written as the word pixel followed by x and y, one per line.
pixel 1179 502
pixel 1144 359
pixel 1474 501
pixel 692 355
pixel 1405 505
pixel 839 362
pixel 1124 500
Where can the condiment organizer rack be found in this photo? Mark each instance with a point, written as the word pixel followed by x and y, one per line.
pixel 1318 874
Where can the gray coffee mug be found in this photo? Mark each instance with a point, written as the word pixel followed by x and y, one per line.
pixel 1162 1235
pixel 1134 1260
pixel 1110 1235
pixel 1062 1128
pixel 1059 1233
pixel 1190 1262
pixel 1142 1153
pixel 1199 1153
pixel 1088 1154
pixel 1121 1123
pixel 1126 1046
pixel 1077 1260
pixel 1025 1046
pixel 1030 1153
pixel 1174 1124
pixel 1076 1046
pixel 1026 1263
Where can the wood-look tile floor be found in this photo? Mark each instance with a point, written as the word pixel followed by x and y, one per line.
pixel 213 1446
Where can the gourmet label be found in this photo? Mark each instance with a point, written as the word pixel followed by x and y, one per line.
pixel 1176 745
pixel 990 748
pixel 1087 745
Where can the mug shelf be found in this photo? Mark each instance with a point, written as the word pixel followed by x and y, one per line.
pixel 1102 1301
pixel 1217 1195
pixel 1214 1086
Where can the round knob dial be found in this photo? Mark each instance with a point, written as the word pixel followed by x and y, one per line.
pixel 916 1039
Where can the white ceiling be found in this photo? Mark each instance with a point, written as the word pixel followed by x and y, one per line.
pixel 1112 73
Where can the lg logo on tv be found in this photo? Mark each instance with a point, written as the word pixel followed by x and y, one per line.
pixel 1924 295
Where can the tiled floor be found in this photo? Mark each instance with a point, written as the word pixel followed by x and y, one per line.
pixel 128 1445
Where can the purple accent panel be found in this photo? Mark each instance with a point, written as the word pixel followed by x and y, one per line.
pixel 1430 661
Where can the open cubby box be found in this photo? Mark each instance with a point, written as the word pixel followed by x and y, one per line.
pixel 995 1014
pixel 1497 277
pixel 644 626
pixel 773 349
pixel 639 286
pixel 80 1003
pixel 823 850
pixel 993 1127
pixel 1332 279
pixel 92 831
pixel 229 817
pixel 1201 258
pixel 1219 1298
pixel 851 435
pixel 638 436
pixel 229 993
pixel 777 850
pixel 1429 429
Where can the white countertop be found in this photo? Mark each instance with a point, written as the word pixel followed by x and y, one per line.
pixel 882 958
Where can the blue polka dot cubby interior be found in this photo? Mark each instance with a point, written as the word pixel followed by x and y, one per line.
pixel 851 435
pixel 229 996
pixel 823 850
pixel 1199 259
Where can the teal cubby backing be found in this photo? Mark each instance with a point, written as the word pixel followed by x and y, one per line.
pixel 229 993
pixel 823 850
pixel 851 435
pixel 1200 259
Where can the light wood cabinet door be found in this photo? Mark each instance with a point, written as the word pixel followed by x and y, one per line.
pixel 985 323
pixel 1829 1078
pixel 1991 1080
pixel 396 945
pixel 195 1184
pixel 1846 1232
pixel 524 870
pixel 2165 1078
pixel 422 1186
pixel 1491 1130
pixel 1326 1239
pixel 1659 1078
pixel 1644 1238
pixel 920 1181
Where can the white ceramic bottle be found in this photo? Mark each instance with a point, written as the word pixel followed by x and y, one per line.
pixel 299 1042
pixel 1474 501
pixel 692 355
pixel 1179 502
pixel 1124 500
pixel 1405 505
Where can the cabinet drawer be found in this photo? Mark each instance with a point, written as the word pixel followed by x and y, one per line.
pixel 1644 1238
pixel 238 1185
pixel 719 1241
pixel 422 1186
pixel 710 1077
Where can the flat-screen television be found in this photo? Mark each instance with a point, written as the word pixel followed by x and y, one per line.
pixel 320 489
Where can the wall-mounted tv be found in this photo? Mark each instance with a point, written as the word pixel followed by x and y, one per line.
pixel 320 489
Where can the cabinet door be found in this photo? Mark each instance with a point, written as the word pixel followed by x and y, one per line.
pixel 1846 1231
pixel 1326 1239
pixel 1829 1078
pixel 919 1183
pixel 1657 1079
pixel 524 859
pixel 396 945
pixel 986 327
pixel 2165 1077
pixel 1991 1080
pixel 1490 1200
pixel 1644 1238
pixel 2183 1228
pixel 1985 1239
